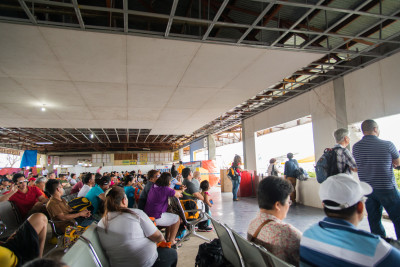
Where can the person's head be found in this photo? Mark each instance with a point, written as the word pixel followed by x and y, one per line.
pixel 19 179
pixel 31 181
pixel 237 160
pixel 44 168
pixel 54 187
pixel 100 167
pixel 343 197
pixel 196 175
pixel 164 179
pixel 342 136
pixel 128 180
pixel 152 175
pixel 41 182
pixel 174 173
pixel 273 196
pixel 103 182
pixel 180 162
pixel 52 175
pixel 289 155
pixel 205 186
pixel 5 181
pixel 73 176
pixel 370 127
pixel 187 173
pixel 89 179
pixel 272 161
pixel 97 176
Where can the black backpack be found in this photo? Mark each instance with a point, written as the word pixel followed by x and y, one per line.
pixel 326 165
pixel 211 255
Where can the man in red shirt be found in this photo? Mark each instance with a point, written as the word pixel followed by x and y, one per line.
pixel 25 198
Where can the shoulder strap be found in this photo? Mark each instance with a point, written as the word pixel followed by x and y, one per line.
pixel 254 237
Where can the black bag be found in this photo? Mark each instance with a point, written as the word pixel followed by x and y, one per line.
pixel 80 203
pixel 232 173
pixel 211 255
pixel 301 174
pixel 326 165
pixel 274 172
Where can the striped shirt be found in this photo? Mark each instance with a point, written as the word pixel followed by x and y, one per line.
pixel 374 161
pixel 344 159
pixel 336 242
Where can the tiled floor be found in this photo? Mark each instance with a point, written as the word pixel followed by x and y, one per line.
pixel 239 214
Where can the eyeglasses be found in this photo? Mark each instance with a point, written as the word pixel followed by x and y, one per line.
pixel 290 202
pixel 24 181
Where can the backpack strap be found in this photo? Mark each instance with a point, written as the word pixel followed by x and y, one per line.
pixel 255 235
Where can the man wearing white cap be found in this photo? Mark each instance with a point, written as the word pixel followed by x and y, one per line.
pixel 336 241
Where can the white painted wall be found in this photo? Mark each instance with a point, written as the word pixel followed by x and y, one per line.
pixel 371 92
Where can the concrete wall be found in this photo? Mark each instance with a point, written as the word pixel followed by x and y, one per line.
pixel 371 92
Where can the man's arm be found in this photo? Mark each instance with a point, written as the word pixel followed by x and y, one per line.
pixel 67 217
pixel 198 196
pixel 13 190
pixel 396 162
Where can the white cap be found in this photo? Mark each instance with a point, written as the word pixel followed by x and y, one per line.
pixel 344 190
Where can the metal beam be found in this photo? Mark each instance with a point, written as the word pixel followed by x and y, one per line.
pixel 363 4
pixel 262 14
pixel 28 12
pixel 78 14
pixel 155 138
pixel 72 135
pixel 214 21
pixel 137 138
pixel 117 135
pixel 127 135
pixel 171 17
pixel 84 135
pixel 125 7
pixel 106 135
pixel 297 22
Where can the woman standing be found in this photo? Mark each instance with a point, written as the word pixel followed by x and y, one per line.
pixel 272 169
pixel 237 160
pixel 129 237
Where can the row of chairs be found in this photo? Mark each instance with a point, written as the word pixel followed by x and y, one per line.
pixel 242 253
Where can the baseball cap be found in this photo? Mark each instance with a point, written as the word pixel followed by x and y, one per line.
pixel 344 190
pixel 32 179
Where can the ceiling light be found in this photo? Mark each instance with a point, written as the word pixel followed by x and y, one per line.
pixel 92 136
pixel 147 149
pixel 43 108
pixel 44 143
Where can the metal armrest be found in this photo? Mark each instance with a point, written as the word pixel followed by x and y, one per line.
pixel 3 227
pixel 53 225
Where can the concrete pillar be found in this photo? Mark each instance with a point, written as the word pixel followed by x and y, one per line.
pixel 249 145
pixel 340 103
pixel 211 147
pixel 181 154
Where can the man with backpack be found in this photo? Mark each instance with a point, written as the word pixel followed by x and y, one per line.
pixel 337 159
pixel 291 166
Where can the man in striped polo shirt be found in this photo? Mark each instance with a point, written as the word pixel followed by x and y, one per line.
pixel 375 160
pixel 336 241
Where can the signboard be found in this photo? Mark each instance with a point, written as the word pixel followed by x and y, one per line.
pixel 49 160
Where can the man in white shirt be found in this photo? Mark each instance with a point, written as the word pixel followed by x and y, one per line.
pixel 88 183
pixel 45 172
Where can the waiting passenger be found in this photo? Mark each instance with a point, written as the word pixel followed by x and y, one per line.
pixel 27 199
pixel 268 229
pixel 59 209
pixel 129 190
pixel 77 187
pixel 129 237
pixel 290 174
pixel 152 177
pixel 336 241
pixel 196 179
pixel 157 205
pixel 97 197
pixel 27 243
pixel 88 183
pixel 72 180
pixel 41 184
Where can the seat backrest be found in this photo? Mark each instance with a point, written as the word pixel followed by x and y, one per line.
pixel 10 217
pixel 228 244
pixel 67 190
pixel 255 255
pixel 80 255
pixel 91 235
pixel 193 205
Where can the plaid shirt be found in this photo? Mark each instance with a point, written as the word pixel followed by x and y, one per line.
pixel 344 158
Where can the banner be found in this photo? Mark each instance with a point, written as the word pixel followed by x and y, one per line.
pixel 213 171
pixel 29 158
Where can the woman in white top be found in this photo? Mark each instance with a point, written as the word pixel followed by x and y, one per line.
pixel 129 237
pixel 88 182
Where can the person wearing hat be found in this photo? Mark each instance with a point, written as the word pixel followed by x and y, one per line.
pixel 31 181
pixel 96 194
pixel 336 240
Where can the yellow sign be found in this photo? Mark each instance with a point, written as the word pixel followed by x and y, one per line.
pixel 126 162
pixel 133 162
pixel 176 155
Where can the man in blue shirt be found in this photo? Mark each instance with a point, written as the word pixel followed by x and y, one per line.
pixel 97 196
pixel 375 160
pixel 290 168
pixel 336 241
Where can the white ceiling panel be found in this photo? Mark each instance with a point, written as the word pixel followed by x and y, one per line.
pixel 144 114
pixel 52 93
pixel 157 61
pixel 112 123
pixel 109 113
pixel 84 123
pixel 7 114
pixel 179 114
pixel 103 94
pixel 73 113
pixel 144 96
pixel 216 65
pixel 31 112
pixel 27 123
pixel 140 124
pixel 12 92
pixel 89 56
pixel 2 73
pixel 25 53
pixel 46 123
pixel 190 97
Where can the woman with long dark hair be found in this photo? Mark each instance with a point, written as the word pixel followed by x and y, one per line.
pixel 129 237
pixel 237 161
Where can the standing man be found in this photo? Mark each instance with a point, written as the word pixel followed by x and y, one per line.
pixel 180 167
pixel 99 169
pixel 345 161
pixel 45 172
pixel 375 160
pixel 290 168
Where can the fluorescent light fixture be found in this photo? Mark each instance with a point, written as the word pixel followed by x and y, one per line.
pixel 44 143
pixel 147 149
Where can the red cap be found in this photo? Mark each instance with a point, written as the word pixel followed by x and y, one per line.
pixel 32 179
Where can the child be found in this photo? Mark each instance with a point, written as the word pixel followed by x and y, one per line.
pixel 205 186
pixel 175 184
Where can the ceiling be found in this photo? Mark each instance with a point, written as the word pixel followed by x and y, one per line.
pixel 167 72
